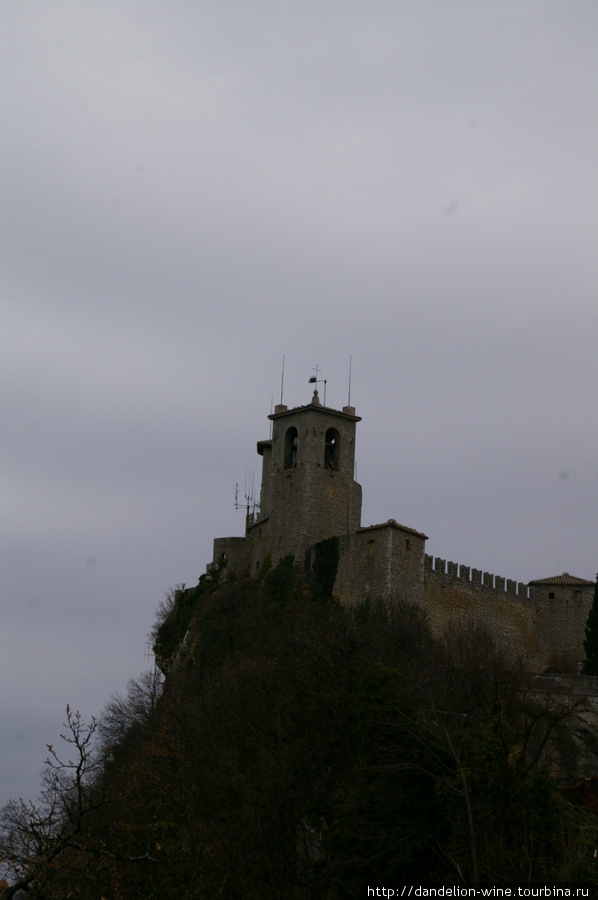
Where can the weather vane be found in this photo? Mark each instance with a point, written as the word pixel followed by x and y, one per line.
pixel 315 380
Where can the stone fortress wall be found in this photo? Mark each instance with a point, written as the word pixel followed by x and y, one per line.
pixel 308 495
pixel 542 622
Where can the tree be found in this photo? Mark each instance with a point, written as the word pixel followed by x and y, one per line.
pixel 298 749
pixel 590 644
pixel 121 714
pixel 34 834
pixel 499 745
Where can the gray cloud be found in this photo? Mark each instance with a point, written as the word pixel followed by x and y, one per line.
pixel 191 192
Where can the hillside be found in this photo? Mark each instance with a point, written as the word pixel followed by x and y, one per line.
pixel 299 749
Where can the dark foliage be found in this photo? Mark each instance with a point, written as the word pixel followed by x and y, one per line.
pixel 299 750
pixel 280 583
pixel 324 569
pixel 174 619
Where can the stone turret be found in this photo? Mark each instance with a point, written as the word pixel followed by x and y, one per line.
pixel 308 491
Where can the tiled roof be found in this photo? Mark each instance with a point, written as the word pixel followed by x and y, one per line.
pixel 392 524
pixel 565 578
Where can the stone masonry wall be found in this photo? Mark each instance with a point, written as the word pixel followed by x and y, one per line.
pixel 381 563
pixel 310 505
pixel 260 541
pixel 561 620
pixel 522 621
pixel 387 563
pixel 237 552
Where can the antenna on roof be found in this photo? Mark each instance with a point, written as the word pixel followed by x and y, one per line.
pixel 251 504
pixel 349 395
pixel 282 381
pixel 315 380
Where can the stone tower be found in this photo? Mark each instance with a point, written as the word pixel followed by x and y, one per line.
pixel 308 490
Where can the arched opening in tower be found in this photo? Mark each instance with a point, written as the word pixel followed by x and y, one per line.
pixel 332 451
pixel 290 448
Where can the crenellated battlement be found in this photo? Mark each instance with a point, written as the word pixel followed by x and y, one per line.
pixel 477 577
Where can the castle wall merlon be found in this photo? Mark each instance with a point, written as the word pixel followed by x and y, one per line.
pixel 484 580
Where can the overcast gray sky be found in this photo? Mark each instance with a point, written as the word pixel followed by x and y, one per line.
pixel 192 190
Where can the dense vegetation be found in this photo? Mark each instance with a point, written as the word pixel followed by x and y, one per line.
pixel 297 749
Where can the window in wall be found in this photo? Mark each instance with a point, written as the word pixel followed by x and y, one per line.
pixel 551 595
pixel 290 448
pixel 332 451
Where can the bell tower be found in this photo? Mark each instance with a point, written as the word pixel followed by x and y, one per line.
pixel 308 489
